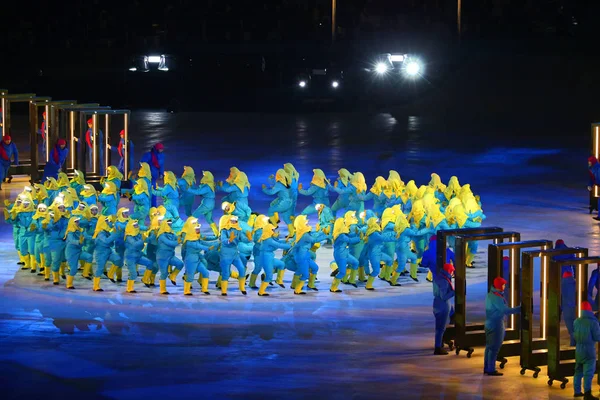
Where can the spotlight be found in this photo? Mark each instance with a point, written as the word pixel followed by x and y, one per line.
pixel 381 68
pixel 335 84
pixel 302 84
pixel 413 68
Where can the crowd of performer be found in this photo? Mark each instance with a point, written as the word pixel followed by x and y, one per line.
pixel 64 226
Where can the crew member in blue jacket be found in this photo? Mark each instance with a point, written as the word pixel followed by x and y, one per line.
pixel 496 311
pixel 443 292
pixel 56 161
pixel 8 154
pixel 587 333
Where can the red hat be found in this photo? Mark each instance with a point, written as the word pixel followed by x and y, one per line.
pixel 559 242
pixel 61 142
pixel 122 133
pixel 7 138
pixel 44 114
pixel 159 146
pixel 567 274
pixel 592 160
pixel 506 258
pixel 432 238
pixel 586 306
pixel 449 268
pixel 90 121
pixel 498 282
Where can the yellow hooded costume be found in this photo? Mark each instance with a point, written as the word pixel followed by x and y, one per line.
pixel 188 232
pixel 260 222
pixel 141 187
pixel 89 191
pixel 380 186
pixel 395 183
pixel 301 227
pixel 144 171
pixel 372 226
pixel 102 226
pixel 164 228
pixel 72 226
pixel 388 216
pixel 113 173
pixel 63 180
pixel 41 192
pixel 225 223
pixel 189 175
pixel 400 224
pixel 241 181
pixel 40 212
pixel 411 189
pixel 345 176
pixel 233 173
pixel 282 177
pixel 51 184
pixel 120 215
pixel 208 179
pixel 418 212
pixel 436 183
pixel 132 228
pixel 350 218
pixel 170 179
pixel 339 227
pixel 319 178
pixel 78 177
pixel 268 231
pixel 110 189
pixel 358 181
pixel 86 213
pixel 291 171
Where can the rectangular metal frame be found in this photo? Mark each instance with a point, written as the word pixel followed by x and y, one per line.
pixel 466 339
pixel 512 345
pixel 5 100
pixel 58 119
pixel 442 243
pixel 95 114
pixel 33 129
pixel 534 350
pixel 444 234
pixel 559 365
pixel 69 129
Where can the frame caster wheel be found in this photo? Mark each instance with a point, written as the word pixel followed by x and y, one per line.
pixel 502 364
pixel 536 374
pixel 450 345
pixel 550 382
pixel 563 385
pixel 469 353
pixel 522 372
pixel 457 350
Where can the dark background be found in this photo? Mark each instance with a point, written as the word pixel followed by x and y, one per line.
pixel 534 56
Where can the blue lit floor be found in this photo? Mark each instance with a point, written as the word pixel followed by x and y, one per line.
pixel 358 344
